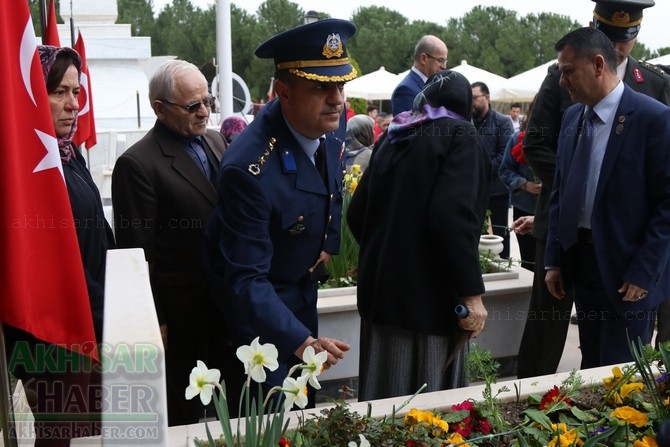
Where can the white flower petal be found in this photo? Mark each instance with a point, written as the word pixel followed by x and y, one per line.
pixel 191 392
pixel 258 374
pixel 213 375
pixel 206 394
pixel 270 355
pixel 314 382
pixel 201 365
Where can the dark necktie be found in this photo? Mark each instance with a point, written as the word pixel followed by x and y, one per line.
pixel 197 152
pixel 574 192
pixel 320 160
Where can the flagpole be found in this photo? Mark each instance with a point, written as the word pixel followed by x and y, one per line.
pixel 43 17
pixel 6 411
pixel 71 26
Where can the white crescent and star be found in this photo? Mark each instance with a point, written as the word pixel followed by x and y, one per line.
pixel 26 58
pixel 83 82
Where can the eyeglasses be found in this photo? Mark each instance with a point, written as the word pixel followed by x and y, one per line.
pixel 441 60
pixel 477 96
pixel 194 106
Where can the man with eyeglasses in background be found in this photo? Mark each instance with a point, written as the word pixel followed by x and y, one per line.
pixel 430 56
pixel 163 195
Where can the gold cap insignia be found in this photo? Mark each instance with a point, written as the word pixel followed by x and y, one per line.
pixel 620 17
pixel 333 46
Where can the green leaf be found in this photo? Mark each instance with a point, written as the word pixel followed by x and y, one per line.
pixel 455 416
pixel 596 440
pixel 583 415
pixel 538 416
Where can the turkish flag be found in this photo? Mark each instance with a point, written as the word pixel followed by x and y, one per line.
pixel 50 33
pixel 42 276
pixel 271 89
pixel 85 120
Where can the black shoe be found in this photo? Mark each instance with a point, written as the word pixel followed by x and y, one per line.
pixel 574 319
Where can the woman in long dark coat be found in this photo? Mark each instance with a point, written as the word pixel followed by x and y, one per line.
pixel 417 214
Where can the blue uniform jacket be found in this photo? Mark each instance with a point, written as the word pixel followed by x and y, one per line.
pixel 273 218
pixel 630 222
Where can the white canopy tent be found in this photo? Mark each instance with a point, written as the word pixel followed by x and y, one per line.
pixel 474 74
pixel 522 87
pixel 662 60
pixel 373 86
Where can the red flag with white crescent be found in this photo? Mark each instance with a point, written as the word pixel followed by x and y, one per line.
pixel 44 289
pixel 85 119
pixel 50 33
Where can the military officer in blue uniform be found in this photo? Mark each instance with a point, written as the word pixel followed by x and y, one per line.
pixel 277 221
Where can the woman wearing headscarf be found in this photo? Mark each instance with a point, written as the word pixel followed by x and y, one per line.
pixel 58 382
pixel 358 141
pixel 417 214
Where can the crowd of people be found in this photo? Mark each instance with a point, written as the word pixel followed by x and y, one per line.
pixel 584 168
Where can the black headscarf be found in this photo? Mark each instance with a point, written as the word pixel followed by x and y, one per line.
pixel 447 94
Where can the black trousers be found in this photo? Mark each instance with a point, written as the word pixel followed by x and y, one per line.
pixel 526 242
pixel 546 326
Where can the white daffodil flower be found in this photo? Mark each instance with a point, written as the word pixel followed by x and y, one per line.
pixel 295 392
pixel 364 442
pixel 256 357
pixel 313 365
pixel 202 381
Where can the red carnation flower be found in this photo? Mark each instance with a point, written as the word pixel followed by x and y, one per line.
pixel 283 442
pixel 517 150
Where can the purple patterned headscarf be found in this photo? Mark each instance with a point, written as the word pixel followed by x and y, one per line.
pixel 231 127
pixel 48 56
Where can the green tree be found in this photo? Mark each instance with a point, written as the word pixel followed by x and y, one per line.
pixel 641 52
pixel 186 32
pixel 34 6
pixel 140 15
pixel 244 29
pixel 542 31
pixel 382 39
pixel 272 17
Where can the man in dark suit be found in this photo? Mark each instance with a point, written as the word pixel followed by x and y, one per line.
pixel 539 354
pixel 430 56
pixel 277 220
pixel 608 235
pixel 163 196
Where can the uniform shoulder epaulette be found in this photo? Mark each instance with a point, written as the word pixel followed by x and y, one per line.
pixel 652 68
pixel 255 168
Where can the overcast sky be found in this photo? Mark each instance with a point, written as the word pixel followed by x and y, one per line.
pixel 653 33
